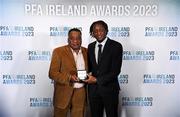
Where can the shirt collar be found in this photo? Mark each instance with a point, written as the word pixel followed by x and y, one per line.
pixel 102 43
pixel 79 52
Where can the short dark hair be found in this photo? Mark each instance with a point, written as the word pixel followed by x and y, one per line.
pixel 74 29
pixel 100 22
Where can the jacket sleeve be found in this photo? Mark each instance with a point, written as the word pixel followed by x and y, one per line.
pixel 55 72
pixel 115 68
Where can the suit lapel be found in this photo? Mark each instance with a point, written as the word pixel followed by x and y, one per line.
pixel 85 58
pixel 70 55
pixel 105 50
pixel 93 55
pixel 106 47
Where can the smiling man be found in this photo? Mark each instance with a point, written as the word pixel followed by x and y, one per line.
pixel 69 93
pixel 104 65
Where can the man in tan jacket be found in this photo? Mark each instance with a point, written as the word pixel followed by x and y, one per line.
pixel 69 93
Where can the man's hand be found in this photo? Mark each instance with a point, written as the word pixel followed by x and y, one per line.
pixel 91 79
pixel 73 77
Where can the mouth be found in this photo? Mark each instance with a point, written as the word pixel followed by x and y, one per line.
pixel 99 36
pixel 76 45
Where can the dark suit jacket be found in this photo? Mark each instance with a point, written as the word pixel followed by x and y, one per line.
pixel 62 64
pixel 108 69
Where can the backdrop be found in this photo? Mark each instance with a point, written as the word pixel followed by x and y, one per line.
pixel 147 29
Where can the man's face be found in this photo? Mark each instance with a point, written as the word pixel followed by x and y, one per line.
pixel 74 40
pixel 99 32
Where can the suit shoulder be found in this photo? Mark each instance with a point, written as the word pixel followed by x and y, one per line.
pixel 91 44
pixel 61 48
pixel 115 43
pixel 84 48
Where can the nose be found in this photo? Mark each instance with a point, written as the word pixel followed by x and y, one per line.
pixel 99 33
pixel 74 40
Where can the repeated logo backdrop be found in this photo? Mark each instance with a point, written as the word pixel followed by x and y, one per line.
pixel 148 31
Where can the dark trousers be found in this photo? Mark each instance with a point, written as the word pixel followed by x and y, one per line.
pixel 108 102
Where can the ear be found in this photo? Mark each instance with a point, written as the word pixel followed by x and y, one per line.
pixel 92 34
pixel 68 40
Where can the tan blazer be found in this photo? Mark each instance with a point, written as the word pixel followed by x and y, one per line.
pixel 62 64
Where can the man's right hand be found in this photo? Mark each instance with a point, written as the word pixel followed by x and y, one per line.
pixel 74 78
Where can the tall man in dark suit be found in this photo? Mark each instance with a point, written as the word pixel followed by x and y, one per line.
pixel 69 94
pixel 104 61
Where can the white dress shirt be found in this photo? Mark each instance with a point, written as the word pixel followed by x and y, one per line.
pixel 80 65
